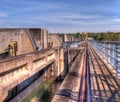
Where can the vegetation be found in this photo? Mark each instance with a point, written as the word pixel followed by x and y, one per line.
pixel 109 36
pixel 37 93
pixel 77 35
pixel 102 36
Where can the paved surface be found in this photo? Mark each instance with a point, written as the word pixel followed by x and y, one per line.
pixel 105 87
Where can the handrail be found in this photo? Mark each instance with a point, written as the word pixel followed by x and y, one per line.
pixel 89 98
pixel 110 51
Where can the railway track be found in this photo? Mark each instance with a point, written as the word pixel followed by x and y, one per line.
pixel 104 86
pixel 73 87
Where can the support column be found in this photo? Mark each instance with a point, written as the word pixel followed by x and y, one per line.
pixel 30 64
pixel 45 38
pixel 53 71
pixel 45 74
pixel 62 73
pixel 68 55
pixel 58 65
pixel 49 72
pixel 3 97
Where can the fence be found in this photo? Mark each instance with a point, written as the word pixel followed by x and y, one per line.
pixel 110 51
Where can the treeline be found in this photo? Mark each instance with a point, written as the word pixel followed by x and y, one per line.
pixel 108 36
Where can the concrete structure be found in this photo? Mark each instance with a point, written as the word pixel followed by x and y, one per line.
pixel 57 39
pixel 68 37
pixel 15 70
pixel 35 63
pixel 28 39
pixel 33 68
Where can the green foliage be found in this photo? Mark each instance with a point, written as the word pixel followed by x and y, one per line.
pixel 101 36
pixel 109 36
pixel 77 35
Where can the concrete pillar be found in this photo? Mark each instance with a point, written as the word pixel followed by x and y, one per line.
pixel 45 38
pixel 44 74
pixel 49 72
pixel 68 55
pixel 53 71
pixel 45 70
pixel 62 62
pixel 66 37
pixel 3 97
pixel 42 39
pixel 58 64
pixel 66 62
pixel 30 63
pixel 1 80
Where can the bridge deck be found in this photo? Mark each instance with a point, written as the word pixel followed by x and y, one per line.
pixel 105 87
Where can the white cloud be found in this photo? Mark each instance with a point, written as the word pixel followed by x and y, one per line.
pixel 84 29
pixel 3 14
pixel 117 20
pixel 75 19
pixel 64 18
pixel 38 5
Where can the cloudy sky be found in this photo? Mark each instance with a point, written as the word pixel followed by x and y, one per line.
pixel 62 15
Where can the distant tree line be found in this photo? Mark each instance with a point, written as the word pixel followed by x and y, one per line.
pixel 109 36
pixel 101 36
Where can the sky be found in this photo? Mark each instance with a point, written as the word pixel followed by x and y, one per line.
pixel 63 16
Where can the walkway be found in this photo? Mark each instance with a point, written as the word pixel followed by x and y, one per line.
pixel 100 85
pixel 105 87
pixel 74 83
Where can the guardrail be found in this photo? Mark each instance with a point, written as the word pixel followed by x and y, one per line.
pixel 89 94
pixel 72 44
pixel 110 51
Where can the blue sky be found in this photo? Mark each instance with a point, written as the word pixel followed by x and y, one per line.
pixel 62 15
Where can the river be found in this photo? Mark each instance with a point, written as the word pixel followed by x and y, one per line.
pixel 44 93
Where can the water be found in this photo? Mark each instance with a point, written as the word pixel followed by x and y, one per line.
pixel 44 93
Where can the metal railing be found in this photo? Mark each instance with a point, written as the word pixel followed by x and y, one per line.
pixel 72 44
pixel 110 51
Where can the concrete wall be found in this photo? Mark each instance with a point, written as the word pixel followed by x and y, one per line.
pixel 40 37
pixel 57 39
pixel 28 90
pixel 68 37
pixel 17 69
pixel 28 40
pixel 8 35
